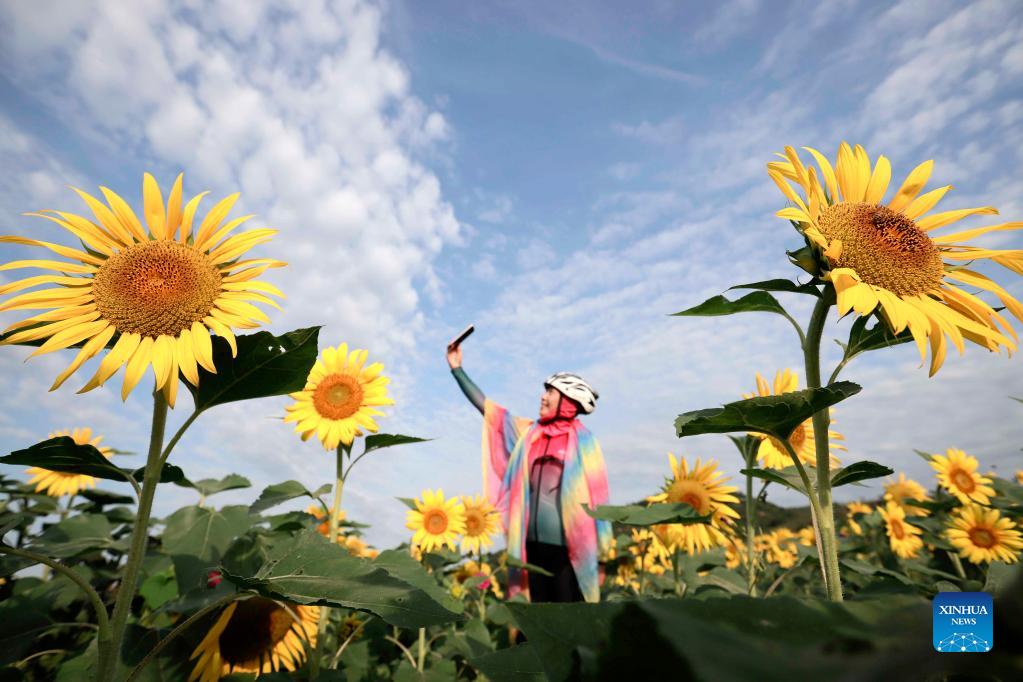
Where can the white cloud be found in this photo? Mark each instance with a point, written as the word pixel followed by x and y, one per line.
pixel 669 131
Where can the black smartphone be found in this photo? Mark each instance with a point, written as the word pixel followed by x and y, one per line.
pixel 462 337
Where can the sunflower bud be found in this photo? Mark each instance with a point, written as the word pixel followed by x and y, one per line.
pixel 806 259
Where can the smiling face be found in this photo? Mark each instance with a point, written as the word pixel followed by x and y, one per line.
pixel 549 402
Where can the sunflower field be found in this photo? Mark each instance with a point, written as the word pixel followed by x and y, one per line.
pixel 705 579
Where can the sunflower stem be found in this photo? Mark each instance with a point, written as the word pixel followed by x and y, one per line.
pixel 751 576
pixel 139 536
pixel 102 620
pixel 422 650
pixel 821 420
pixel 815 509
pixel 333 523
pixel 958 565
pixel 181 627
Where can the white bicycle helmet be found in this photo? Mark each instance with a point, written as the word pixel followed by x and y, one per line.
pixel 573 386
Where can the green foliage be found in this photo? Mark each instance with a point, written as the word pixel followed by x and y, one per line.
pixel 307 569
pixel 756 302
pixel 863 339
pixel 77 535
pixel 859 471
pixel 378 441
pixel 265 366
pixel 648 515
pixel 64 455
pixel 212 486
pixel 196 538
pixel 776 415
pixel 783 285
pixel 279 493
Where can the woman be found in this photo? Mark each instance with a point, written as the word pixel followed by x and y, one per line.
pixel 540 475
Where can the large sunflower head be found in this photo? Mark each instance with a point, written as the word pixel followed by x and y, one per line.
pixel 339 398
pixel 58 483
pixel 904 537
pixel 957 473
pixel 885 257
pixel 255 635
pixel 703 488
pixel 481 522
pixel 906 489
pixel 156 290
pixel 436 521
pixel 982 536
pixel 772 452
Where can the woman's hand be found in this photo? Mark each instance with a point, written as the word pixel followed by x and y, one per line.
pixel 455 356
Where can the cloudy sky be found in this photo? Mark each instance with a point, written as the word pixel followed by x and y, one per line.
pixel 562 175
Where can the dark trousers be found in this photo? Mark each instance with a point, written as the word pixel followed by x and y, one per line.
pixel 562 586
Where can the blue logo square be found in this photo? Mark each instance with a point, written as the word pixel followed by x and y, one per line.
pixel 963 622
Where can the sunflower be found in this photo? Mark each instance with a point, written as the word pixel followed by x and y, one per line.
pixel 255 635
pixel 807 536
pixel 481 521
pixel 436 521
pixel 957 474
pixel 651 554
pixel 1019 477
pixel 323 528
pixel 59 483
pixel 852 510
pixel 155 293
pixel 881 257
pixel 903 537
pixel 735 552
pixel 703 489
pixel 339 396
pixel 771 452
pixel 982 536
pixel 906 488
pixel 780 547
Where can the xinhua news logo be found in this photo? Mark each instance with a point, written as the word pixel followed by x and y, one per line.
pixel 963 622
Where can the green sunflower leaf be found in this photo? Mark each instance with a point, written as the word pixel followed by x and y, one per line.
pixel 783 285
pixel 776 415
pixel 747 446
pixel 862 339
pixel 196 538
pixel 307 569
pixel 525 566
pixel 788 477
pixel 379 441
pixel 64 455
pixel 648 515
pixel 170 473
pixel 266 365
pixel 514 664
pixel 758 301
pixel 77 535
pixel 408 502
pixel 279 493
pixel 859 471
pixel 401 565
pixel 212 486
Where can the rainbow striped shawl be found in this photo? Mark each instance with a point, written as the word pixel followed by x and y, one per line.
pixel 506 443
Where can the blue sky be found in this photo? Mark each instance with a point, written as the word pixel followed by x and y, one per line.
pixel 564 177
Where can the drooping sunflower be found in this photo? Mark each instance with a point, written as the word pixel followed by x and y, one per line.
pixel 255 635
pixel 771 452
pixel 481 522
pixel 58 483
pixel 903 537
pixel 852 510
pixel 155 291
pixel 702 488
pixel 882 257
pixel 903 489
pixel 339 398
pixel 957 473
pixel 436 521
pixel 981 535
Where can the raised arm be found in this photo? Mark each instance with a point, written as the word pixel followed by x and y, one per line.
pixel 470 389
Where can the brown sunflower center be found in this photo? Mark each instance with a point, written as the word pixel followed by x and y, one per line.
pixel 963 481
pixel 689 492
pixel 897 530
pixel 983 537
pixel 473 522
pixel 338 396
pixel 255 628
pixel 884 247
pixel 155 288
pixel 435 521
